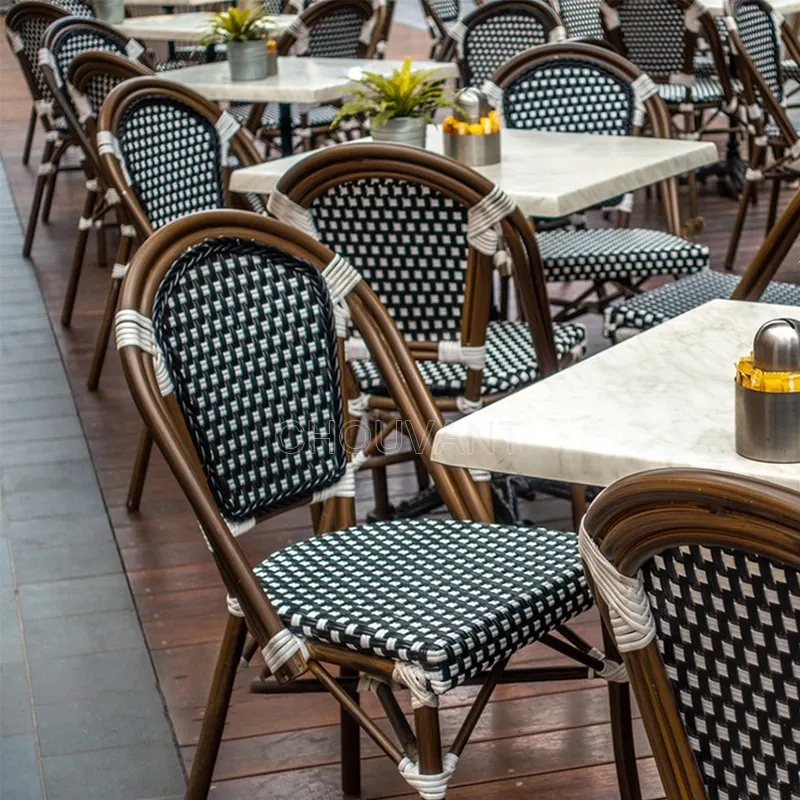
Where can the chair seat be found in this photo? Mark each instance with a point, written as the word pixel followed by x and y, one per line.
pixel 791 70
pixel 704 90
pixel 452 597
pixel 704 66
pixel 510 362
pixel 603 254
pixel 270 119
pixel 652 308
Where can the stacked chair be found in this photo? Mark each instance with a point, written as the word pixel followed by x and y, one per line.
pixel 439 16
pixel 581 18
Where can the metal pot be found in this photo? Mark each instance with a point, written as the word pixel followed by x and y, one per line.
pixel 474 150
pixel 248 60
pixel 402 130
pixel 111 11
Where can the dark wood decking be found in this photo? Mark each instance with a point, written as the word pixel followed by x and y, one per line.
pixel 536 741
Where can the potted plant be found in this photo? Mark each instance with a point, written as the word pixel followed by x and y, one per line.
pixel 244 32
pixel 399 106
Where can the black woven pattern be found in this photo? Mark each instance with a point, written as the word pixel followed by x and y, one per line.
pixel 453 597
pixel 727 626
pixel 760 39
pixel 97 87
pixel 581 18
pixel 78 8
pixel 408 242
pixel 653 32
pixel 446 10
pixel 172 156
pixel 249 340
pixel 335 35
pixel 570 96
pixel 273 6
pixel 490 42
pixel 75 41
pixel 31 30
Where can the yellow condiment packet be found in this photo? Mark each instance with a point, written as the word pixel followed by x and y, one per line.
pixel 760 380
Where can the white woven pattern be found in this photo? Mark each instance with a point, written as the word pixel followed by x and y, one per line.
pixel 133 329
pixel 484 231
pixel 284 209
pixel 451 351
pixel 430 787
pixel 281 647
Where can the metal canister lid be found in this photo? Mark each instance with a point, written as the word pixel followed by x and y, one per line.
pixel 776 346
pixel 472 106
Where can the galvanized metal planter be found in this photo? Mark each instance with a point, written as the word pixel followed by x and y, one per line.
pixel 248 60
pixel 402 130
pixel 111 11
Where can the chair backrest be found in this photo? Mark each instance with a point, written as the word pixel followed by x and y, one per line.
pixel 77 8
pixel 698 574
pixel 25 26
pixel 438 15
pixel 335 29
pixel 581 18
pixel 756 33
pixel 660 38
pixel 166 150
pixel 410 221
pixel 497 31
pixel 227 331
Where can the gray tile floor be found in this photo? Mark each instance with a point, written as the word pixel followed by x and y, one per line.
pixel 81 717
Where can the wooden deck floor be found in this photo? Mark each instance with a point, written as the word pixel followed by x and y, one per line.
pixel 538 741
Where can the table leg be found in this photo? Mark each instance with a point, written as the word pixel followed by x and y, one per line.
pixel 287 143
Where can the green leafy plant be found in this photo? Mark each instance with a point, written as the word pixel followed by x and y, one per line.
pixel 238 25
pixel 404 93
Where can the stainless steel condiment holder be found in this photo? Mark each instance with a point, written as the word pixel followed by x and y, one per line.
pixel 272 63
pixel 474 150
pixel 768 423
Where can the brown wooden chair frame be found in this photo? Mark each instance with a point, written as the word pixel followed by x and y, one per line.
pixel 399 370
pixel 755 87
pixel 640 516
pixel 692 114
pixel 241 146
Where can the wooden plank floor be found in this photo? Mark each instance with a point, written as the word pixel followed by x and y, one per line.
pixel 543 741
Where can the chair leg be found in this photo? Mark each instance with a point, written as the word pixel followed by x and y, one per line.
pixel 78 254
pixel 50 187
pixel 140 469
pixel 741 214
pixel 695 222
pixel 380 484
pixel 102 249
pixel 429 740
pixel 775 194
pixel 26 150
pixel 114 287
pixel 219 698
pixel 351 744
pixel 36 202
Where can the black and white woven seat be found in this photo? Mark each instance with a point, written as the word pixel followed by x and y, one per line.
pixel 511 362
pixel 703 91
pixel 714 635
pixel 581 18
pixel 451 597
pixel 577 87
pixel 669 301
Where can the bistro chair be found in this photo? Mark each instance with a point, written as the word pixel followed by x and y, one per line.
pixel 25 26
pixel 581 18
pixel 167 152
pixel 572 87
pixel 756 32
pixel 651 308
pixel 698 576
pixel 230 332
pixel 660 38
pixel 495 32
pixel 439 16
pixel 64 40
pixel 430 258
pixel 326 29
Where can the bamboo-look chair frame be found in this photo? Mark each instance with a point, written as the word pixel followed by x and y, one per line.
pixel 163 417
pixel 537 9
pixel 56 143
pixel 316 13
pixel 241 146
pixel 757 93
pixel 84 68
pixel 96 205
pixel 690 112
pixel 640 516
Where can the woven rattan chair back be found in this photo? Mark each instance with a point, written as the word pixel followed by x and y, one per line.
pixel 497 31
pixel 439 15
pixel 335 29
pixel 404 218
pixel 757 33
pixel 240 379
pixel 25 26
pixel 166 150
pixel 77 8
pixel 581 18
pixel 712 563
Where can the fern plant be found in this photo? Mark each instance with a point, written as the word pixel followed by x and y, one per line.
pixel 404 93
pixel 238 25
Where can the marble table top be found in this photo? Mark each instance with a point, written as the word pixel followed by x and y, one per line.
pixel 299 80
pixel 188 27
pixel 171 3
pixel 717 7
pixel 547 174
pixel 664 398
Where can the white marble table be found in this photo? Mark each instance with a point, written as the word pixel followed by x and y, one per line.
pixel 172 3
pixel 717 7
pixel 549 174
pixel 664 398
pixel 188 27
